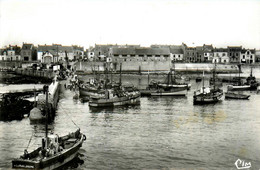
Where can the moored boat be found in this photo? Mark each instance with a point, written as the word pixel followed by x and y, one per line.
pixel 233 95
pixel 207 95
pixel 115 98
pixel 55 151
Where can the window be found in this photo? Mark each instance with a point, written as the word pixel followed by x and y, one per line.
pixel 124 55
pixel 243 56
pixel 251 56
pixel 157 55
pixel 116 55
pixel 149 55
pixel 236 54
pixel 125 59
pixel 166 55
pixel 132 55
pixel 179 56
pixel 141 55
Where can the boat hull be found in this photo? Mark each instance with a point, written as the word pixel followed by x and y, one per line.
pixel 115 102
pixel 165 93
pixel 54 162
pixel 207 99
pixel 236 96
pixel 237 88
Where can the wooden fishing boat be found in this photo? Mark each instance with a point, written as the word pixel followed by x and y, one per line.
pixel 251 80
pixel 116 98
pixel 55 151
pixel 53 154
pixel 170 82
pixel 239 85
pixel 207 95
pixel 233 95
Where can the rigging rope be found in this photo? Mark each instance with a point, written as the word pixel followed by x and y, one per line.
pixel 71 119
pixel 29 141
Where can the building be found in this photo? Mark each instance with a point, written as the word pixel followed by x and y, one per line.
pixel 199 57
pixel 257 56
pixel 207 53
pixel 78 52
pixel 119 54
pixel 57 52
pixel 247 56
pixel 176 54
pixel 234 53
pixel 28 52
pixel 102 51
pixel 190 54
pixel 11 53
pixel 220 55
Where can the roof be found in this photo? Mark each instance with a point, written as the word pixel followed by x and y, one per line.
pixel 245 50
pixel 220 50
pixel 199 48
pixel 123 51
pixel 207 47
pixel 176 50
pixel 27 46
pixel 152 51
pixel 75 47
pixel 54 48
pixel 234 48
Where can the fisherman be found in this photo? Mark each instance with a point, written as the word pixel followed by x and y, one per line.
pixel 25 155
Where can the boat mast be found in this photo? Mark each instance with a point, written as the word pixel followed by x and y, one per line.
pixel 239 69
pixel 45 88
pixel 120 78
pixel 203 82
pixel 214 74
pixel 148 77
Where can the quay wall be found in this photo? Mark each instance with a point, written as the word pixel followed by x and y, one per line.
pixel 156 66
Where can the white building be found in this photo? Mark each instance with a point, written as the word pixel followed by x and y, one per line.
pixel 220 55
pixel 247 56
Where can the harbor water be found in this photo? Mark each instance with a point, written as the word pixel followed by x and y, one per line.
pixel 160 133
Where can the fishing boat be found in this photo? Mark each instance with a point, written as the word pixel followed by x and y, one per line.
pixel 251 80
pixel 170 82
pixel 116 97
pixel 238 85
pixel 54 152
pixel 158 89
pixel 171 92
pixel 208 95
pixel 233 95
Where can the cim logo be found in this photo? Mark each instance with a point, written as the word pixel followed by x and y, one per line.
pixel 240 164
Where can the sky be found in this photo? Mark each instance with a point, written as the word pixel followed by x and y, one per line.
pixel 88 22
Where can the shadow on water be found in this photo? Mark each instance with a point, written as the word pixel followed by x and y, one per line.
pixel 75 163
pixel 118 109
